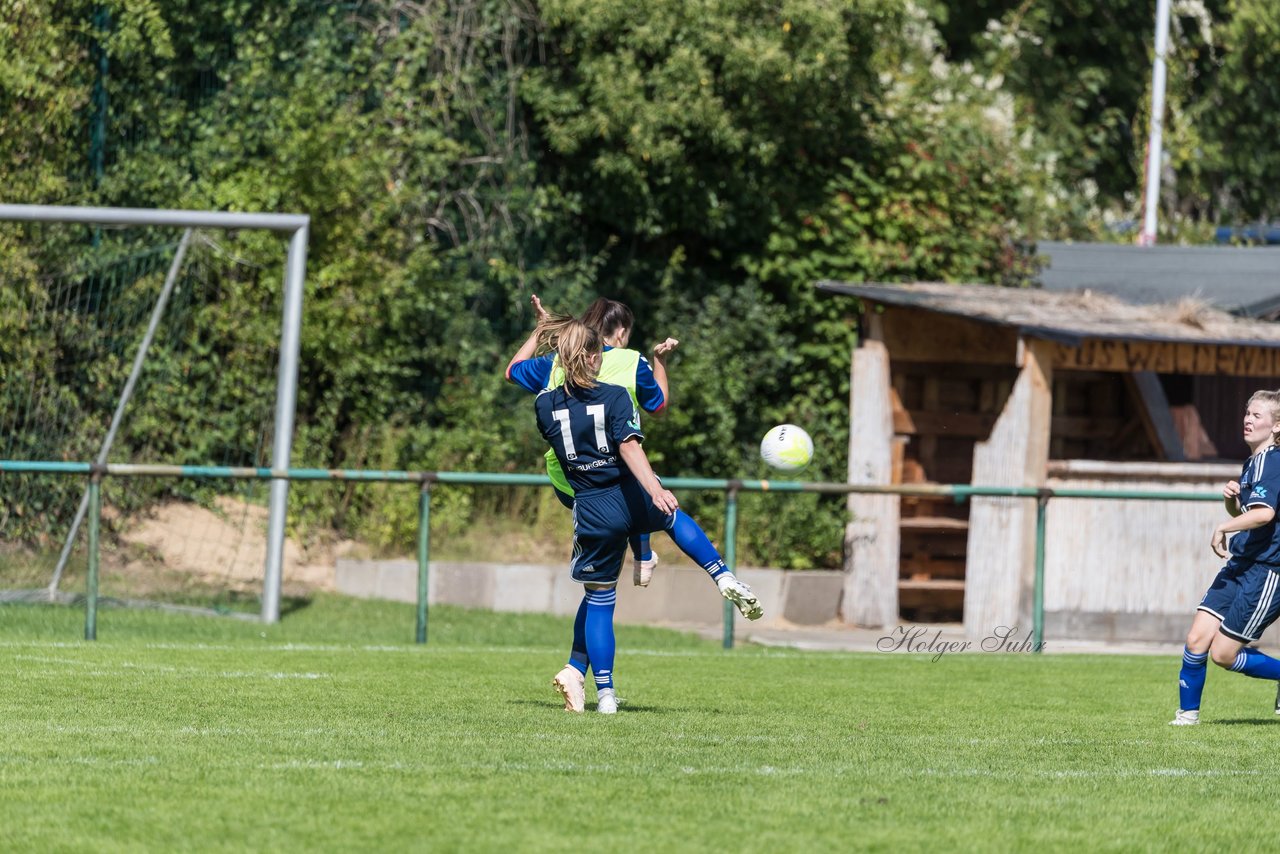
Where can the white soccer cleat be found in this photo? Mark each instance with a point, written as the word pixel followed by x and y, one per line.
pixel 642 570
pixel 1189 718
pixel 606 702
pixel 572 686
pixel 740 595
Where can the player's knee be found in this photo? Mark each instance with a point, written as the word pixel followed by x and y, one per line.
pixel 1198 642
pixel 1223 656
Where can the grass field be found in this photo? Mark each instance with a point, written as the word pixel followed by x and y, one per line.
pixel 332 732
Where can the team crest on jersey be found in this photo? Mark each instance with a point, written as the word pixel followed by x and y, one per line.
pixel 1259 492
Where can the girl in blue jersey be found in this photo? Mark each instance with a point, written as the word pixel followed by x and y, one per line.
pixel 1244 598
pixel 647 384
pixel 594 430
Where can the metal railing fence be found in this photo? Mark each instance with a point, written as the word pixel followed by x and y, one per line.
pixel 426 480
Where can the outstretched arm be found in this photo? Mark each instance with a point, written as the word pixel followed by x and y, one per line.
pixel 660 352
pixel 530 346
pixel 634 456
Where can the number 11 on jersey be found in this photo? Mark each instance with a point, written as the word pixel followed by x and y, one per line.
pixel 596 411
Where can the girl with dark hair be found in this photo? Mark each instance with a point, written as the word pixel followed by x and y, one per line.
pixel 646 382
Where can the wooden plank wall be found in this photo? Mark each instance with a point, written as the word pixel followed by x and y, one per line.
pixel 956 415
pixel 871 536
pixel 951 378
pixel 920 335
pixel 1166 357
pixel 1001 550
pixel 1221 402
pixel 940 411
pixel 1097 416
pixel 1108 561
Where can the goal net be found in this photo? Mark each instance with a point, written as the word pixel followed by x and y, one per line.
pixel 139 345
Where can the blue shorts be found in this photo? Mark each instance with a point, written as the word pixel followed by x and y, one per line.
pixel 1246 600
pixel 603 522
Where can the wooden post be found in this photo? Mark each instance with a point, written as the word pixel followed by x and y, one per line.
pixel 1000 558
pixel 871 536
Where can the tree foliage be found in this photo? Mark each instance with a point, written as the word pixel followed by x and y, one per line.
pixel 697 123
pixel 1079 72
pixel 1224 155
pixel 706 162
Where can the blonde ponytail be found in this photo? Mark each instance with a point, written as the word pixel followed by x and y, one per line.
pixel 575 343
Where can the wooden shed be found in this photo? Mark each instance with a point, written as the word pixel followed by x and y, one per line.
pixel 1022 387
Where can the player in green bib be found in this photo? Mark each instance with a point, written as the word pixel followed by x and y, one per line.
pixel 646 382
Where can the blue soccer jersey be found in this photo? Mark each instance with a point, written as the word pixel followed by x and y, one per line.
pixel 585 430
pixel 535 374
pixel 1259 487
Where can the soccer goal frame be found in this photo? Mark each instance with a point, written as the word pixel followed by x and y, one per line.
pixel 298 228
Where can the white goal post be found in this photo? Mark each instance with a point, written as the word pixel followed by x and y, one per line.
pixel 298 227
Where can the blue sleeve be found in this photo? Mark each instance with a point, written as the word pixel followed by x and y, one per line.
pixel 624 421
pixel 532 374
pixel 648 393
pixel 1266 488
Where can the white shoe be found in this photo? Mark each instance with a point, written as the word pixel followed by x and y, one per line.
pixel 606 702
pixel 572 686
pixel 642 570
pixel 1182 718
pixel 741 595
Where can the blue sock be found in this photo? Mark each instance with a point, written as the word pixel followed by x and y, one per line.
pixel 693 542
pixel 599 633
pixel 640 547
pixel 578 653
pixel 1255 663
pixel 1191 679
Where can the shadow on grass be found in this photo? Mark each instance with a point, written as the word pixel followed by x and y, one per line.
pixel 624 707
pixel 240 605
pixel 1246 721
pixel 293 605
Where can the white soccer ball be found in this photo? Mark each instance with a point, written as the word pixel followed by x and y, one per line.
pixel 786 447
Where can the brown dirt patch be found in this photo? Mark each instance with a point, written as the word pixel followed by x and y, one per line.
pixel 225 546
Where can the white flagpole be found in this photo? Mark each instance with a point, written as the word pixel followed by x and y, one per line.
pixel 1155 144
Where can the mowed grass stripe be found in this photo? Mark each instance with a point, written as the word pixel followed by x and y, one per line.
pixel 144 741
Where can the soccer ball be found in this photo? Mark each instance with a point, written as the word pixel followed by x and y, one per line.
pixel 786 447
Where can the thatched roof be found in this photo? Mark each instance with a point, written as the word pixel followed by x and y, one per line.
pixel 1072 317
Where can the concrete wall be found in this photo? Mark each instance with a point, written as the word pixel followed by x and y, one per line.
pixel 677 595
